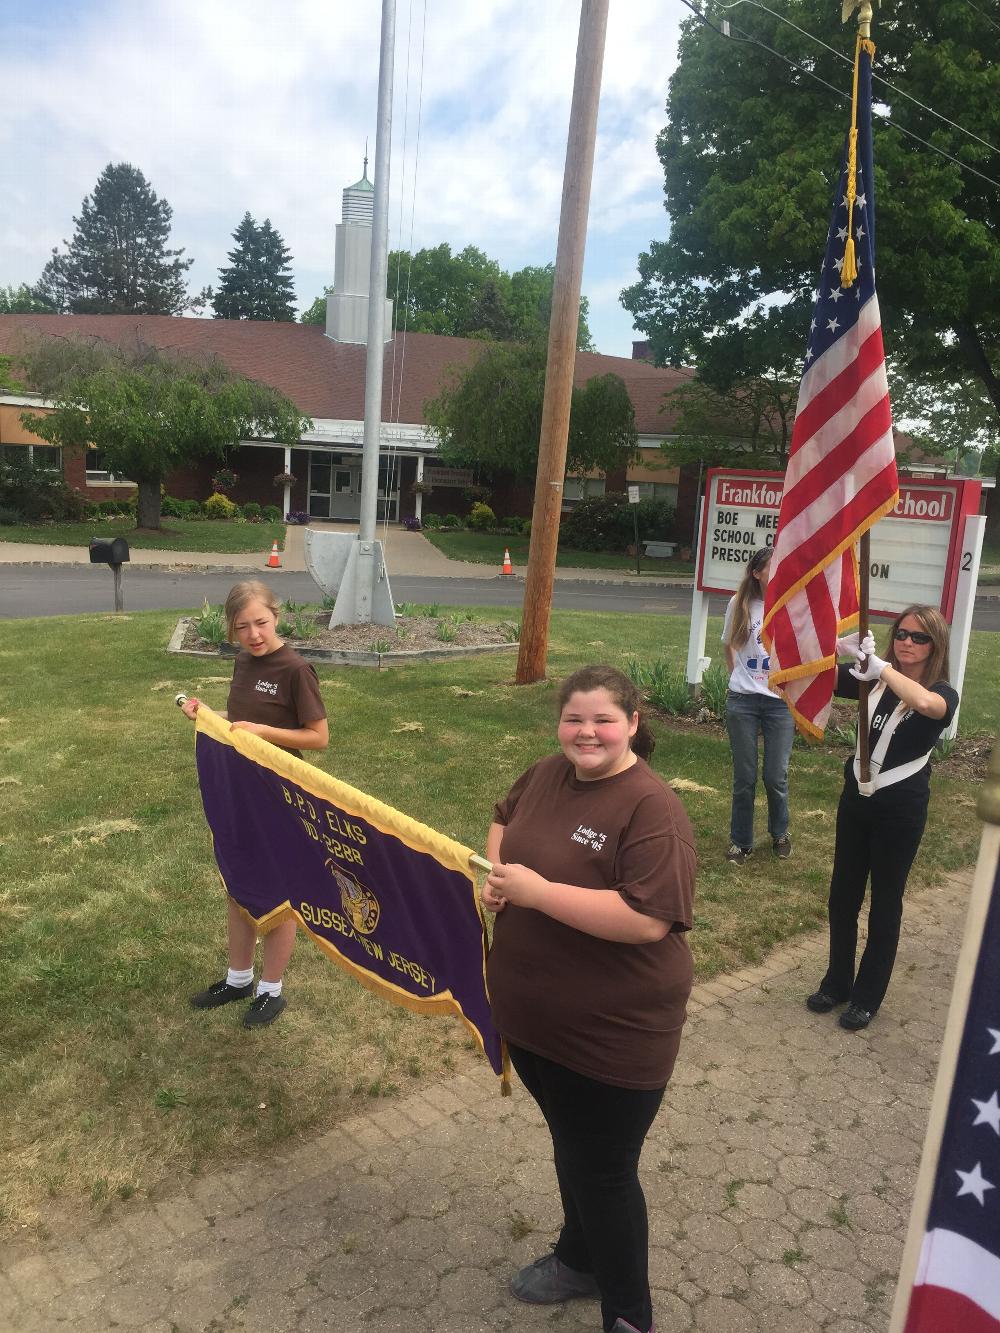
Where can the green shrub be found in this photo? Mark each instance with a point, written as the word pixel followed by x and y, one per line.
pixel 8 516
pixel 605 523
pixel 431 522
pixel 211 624
pixel 481 517
pixel 271 513
pixel 451 521
pixel 170 507
pixel 252 511
pixel 664 685
pixel 220 506
pixel 715 688
pixel 37 494
pixel 447 632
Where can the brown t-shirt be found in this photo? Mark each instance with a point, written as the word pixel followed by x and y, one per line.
pixel 608 1010
pixel 279 689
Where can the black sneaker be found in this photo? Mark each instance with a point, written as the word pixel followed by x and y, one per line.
pixel 738 854
pixel 220 992
pixel 782 847
pixel 854 1018
pixel 548 1281
pixel 265 1009
pixel 821 1001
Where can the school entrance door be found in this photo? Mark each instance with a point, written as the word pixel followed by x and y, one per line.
pixel 335 487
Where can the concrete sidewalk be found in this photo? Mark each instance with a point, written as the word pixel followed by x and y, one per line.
pixel 779 1175
pixel 407 553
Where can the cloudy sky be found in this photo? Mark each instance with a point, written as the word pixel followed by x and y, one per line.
pixel 233 105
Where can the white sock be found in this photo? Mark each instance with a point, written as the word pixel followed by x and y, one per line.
pixel 239 976
pixel 269 988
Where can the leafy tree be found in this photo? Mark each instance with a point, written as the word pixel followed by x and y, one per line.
pixel 469 295
pixel 258 282
pixel 149 411
pixel 489 416
pixel 747 425
pixel 316 314
pixel 750 158
pixel 8 384
pixel 118 261
pixel 950 417
pixel 22 300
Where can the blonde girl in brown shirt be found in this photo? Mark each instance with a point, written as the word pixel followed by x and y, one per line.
pixel 275 695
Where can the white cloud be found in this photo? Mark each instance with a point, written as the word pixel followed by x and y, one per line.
pixel 233 106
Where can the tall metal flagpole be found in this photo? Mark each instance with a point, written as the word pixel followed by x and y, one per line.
pixel 366 572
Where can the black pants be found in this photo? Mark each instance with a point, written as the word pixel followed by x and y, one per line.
pixel 597 1135
pixel 880 839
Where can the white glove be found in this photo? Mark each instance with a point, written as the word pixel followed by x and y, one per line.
pixel 875 666
pixel 848 647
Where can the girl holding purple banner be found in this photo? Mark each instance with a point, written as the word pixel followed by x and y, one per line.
pixel 589 976
pixel 275 694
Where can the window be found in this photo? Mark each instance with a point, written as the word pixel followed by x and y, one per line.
pixel 656 490
pixel 581 488
pixel 97 468
pixel 38 455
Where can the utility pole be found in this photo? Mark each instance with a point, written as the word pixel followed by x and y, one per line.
pixel 563 327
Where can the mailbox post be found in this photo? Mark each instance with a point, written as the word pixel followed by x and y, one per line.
pixel 111 551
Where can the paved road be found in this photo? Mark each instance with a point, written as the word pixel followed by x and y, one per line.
pixel 68 589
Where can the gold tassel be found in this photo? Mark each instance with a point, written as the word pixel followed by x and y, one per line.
pixel 849 269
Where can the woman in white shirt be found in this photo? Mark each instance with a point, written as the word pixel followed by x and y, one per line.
pixel 754 710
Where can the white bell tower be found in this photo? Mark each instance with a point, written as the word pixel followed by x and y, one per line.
pixel 347 304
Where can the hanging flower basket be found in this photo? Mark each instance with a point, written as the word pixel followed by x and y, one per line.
pixel 224 480
pixel 285 479
pixel 422 488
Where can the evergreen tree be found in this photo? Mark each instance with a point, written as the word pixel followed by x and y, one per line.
pixel 118 261
pixel 258 282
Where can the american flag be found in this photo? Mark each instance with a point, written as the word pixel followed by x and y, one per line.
pixel 957 1283
pixel 841 476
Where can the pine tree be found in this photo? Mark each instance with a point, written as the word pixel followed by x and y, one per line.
pixel 258 282
pixel 118 261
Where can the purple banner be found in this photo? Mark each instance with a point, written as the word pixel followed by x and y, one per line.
pixel 388 899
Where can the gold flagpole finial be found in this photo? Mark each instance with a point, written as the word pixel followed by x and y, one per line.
pixel 864 9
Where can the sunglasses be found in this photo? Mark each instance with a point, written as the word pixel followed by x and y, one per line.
pixel 918 636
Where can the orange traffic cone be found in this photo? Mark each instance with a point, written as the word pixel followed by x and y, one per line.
pixel 507 569
pixel 274 560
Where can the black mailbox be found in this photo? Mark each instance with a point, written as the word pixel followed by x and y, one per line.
pixel 108 550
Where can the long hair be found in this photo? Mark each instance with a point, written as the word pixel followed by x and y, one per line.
pixel 936 665
pixel 623 693
pixel 241 595
pixel 739 626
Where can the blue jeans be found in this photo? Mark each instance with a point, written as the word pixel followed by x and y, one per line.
pixel 747 716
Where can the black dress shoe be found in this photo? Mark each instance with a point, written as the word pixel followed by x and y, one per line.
pixel 854 1018
pixel 821 1002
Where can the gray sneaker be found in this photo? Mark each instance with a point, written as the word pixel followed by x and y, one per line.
pixel 548 1281
pixel 782 847
pixel 737 854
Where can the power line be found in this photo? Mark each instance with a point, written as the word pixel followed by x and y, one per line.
pixel 983 14
pixel 728 31
pixel 901 92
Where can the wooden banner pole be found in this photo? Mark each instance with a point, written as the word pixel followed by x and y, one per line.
pixel 864 560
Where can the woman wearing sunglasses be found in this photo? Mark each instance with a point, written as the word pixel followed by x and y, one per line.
pixel 880 823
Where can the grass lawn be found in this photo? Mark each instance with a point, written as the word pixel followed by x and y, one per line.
pixel 989 570
pixel 177 534
pixel 484 548
pixel 111 912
